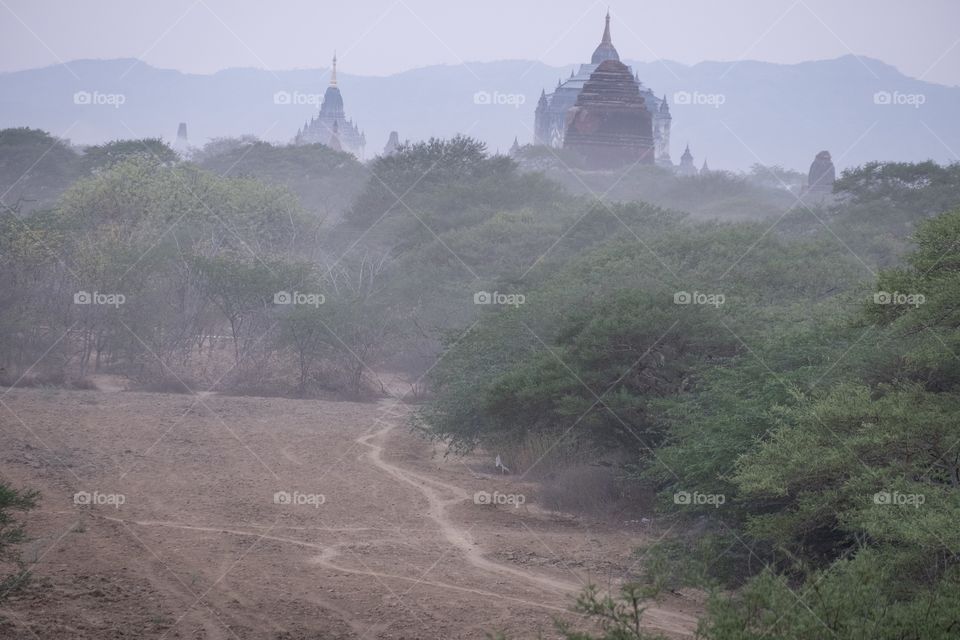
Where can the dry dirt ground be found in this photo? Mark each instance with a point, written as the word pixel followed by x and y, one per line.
pixel 201 547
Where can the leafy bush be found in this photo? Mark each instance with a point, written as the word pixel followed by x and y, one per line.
pixel 618 617
pixel 12 534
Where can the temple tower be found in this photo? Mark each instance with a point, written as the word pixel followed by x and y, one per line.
pixel 661 133
pixel 821 177
pixel 687 168
pixel 609 125
pixel 392 143
pixel 331 126
pixel 551 116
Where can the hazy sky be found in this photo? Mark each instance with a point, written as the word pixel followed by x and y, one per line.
pixel 379 37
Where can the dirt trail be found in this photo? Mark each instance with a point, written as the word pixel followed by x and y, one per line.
pixel 200 548
pixel 460 538
pixel 432 488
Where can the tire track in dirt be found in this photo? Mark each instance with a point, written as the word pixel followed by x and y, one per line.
pixel 431 488
pixel 325 557
pixel 306 577
pixel 440 496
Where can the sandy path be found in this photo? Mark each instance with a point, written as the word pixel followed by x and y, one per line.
pixel 199 549
pixel 456 535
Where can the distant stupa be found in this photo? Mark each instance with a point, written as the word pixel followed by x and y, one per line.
pixel 331 125
pixel 686 167
pixel 182 144
pixel 392 143
pixel 821 177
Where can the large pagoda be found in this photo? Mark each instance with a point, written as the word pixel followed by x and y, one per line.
pixel 551 123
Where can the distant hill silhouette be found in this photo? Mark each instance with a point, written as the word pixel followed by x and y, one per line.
pixel 770 113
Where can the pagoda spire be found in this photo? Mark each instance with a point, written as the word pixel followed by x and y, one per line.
pixel 606 31
pixel 605 50
pixel 333 74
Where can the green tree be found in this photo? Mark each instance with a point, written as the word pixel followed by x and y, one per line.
pixel 35 169
pixel 104 155
pixel 12 534
pixel 325 181
pixel 619 618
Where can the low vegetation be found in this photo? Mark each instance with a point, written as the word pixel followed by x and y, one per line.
pixel 15 572
pixel 778 378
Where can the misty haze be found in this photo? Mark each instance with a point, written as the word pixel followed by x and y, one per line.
pixel 403 319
